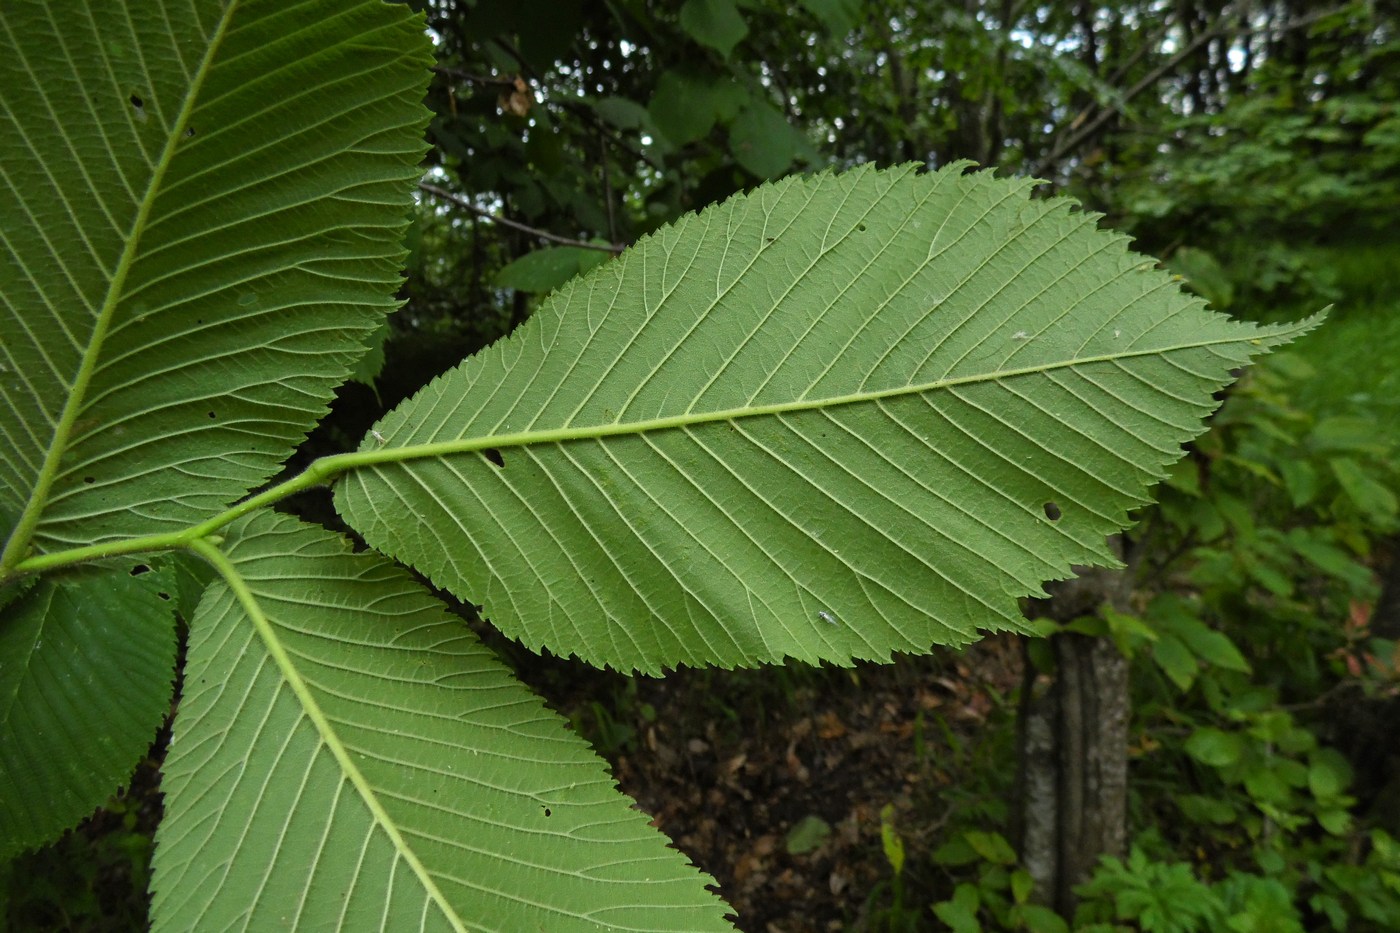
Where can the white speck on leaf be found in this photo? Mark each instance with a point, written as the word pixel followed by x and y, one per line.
pixel 826 617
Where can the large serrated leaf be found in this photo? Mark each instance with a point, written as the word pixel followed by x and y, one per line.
pixel 347 756
pixel 202 205
pixel 838 417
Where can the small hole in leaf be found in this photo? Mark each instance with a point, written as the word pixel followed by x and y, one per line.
pixel 137 102
pixel 548 812
pixel 189 132
pixel 860 227
pixel 494 456
pixel 1052 511
pixel 164 596
pixel 89 479
pixel 140 569
pixel 212 415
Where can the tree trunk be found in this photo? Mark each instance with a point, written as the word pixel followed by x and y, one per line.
pixel 1072 769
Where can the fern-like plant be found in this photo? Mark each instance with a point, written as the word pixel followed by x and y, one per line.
pixel 838 417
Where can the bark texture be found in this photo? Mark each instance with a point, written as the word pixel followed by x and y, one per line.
pixel 1072 774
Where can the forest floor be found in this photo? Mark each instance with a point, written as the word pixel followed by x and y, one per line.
pixel 774 780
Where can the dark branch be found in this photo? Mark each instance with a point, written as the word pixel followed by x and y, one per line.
pixel 1091 128
pixel 482 212
pixel 460 75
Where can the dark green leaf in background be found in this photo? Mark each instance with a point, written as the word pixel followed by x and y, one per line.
pixel 685 107
pixel 622 113
pixel 1214 747
pixel 838 16
pixel 715 23
pixel 763 141
pixel 87 665
pixel 548 267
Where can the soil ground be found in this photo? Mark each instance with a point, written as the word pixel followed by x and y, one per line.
pixel 774 781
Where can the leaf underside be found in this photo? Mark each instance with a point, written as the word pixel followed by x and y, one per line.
pixel 838 417
pixel 202 206
pixel 362 761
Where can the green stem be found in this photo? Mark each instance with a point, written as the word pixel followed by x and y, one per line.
pixel 318 473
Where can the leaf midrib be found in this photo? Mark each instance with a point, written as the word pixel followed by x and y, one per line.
pixel 690 419
pixel 320 721
pixel 328 469
pixel 23 533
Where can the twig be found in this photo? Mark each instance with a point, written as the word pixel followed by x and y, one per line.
pixel 607 187
pixel 1091 128
pixel 460 75
pixel 482 212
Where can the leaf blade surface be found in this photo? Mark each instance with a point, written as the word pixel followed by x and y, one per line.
pixel 99 639
pixel 835 418
pixel 202 209
pixel 356 759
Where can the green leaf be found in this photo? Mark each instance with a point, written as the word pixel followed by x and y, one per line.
pixel 368 367
pixel 890 840
pixel 191 577
pixel 1022 885
pixel 1329 774
pixel 715 23
pixel 621 112
pixel 1214 648
pixel 1313 545
pixel 545 269
pixel 1175 660
pixel 203 218
pixel 685 108
pixel 763 141
pixel 825 420
pixel 1129 633
pixel 992 847
pixel 1039 919
pixel 1300 479
pixel 1364 490
pixel 348 756
pixel 1335 820
pixel 87 666
pixel 959 913
pixel 1213 747
pixel 807 834
pixel 1348 434
pixel 1265 786
pixel 1173 615
pixel 955 853
pixel 838 16
pixel 1205 809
